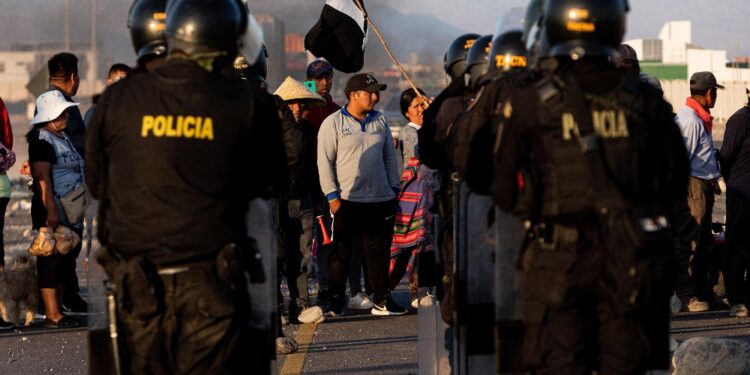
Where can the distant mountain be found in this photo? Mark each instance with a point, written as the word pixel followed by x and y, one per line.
pixel 36 22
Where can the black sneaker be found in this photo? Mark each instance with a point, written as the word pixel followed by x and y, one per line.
pixel 77 305
pixel 336 306
pixel 6 326
pixel 387 308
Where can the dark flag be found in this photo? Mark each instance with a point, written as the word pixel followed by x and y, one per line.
pixel 340 35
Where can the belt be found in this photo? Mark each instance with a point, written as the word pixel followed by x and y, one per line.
pixel 552 233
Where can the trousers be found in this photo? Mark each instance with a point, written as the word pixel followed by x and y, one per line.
pixel 201 329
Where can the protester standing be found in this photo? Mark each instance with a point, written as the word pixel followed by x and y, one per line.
pixel 693 217
pixel 57 169
pixel 6 138
pixel 358 174
pixel 299 229
pixel 7 141
pixel 63 77
pixel 735 167
pixel 412 232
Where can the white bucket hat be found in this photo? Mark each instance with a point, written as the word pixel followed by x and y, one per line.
pixel 50 106
pixel 291 89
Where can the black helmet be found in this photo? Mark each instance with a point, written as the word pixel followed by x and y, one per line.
pixel 478 58
pixel 578 28
pixel 146 23
pixel 196 26
pixel 254 72
pixel 508 53
pixel 455 57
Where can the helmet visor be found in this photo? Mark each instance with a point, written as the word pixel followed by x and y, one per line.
pixel 251 42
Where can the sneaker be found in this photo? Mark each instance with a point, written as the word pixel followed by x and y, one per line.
pixel 387 308
pixel 415 304
pixel 285 345
pixel 65 322
pixel 739 311
pixel 6 326
pixel 716 304
pixel 76 305
pixel 359 301
pixel 336 306
pixel 695 305
pixel 311 315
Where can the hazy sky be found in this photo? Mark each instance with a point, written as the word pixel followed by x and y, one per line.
pixel 717 24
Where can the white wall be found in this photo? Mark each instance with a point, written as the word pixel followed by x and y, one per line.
pixel 15 74
pixel 700 60
pixel 728 101
pixel 677 31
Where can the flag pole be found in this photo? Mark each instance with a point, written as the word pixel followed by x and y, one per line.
pixel 361 7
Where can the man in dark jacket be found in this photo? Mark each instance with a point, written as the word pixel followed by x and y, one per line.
pixel 735 167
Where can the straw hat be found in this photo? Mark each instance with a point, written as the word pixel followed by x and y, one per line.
pixel 50 106
pixel 292 89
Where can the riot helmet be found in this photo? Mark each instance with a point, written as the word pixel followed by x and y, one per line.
pixel 578 28
pixel 146 22
pixel 455 57
pixel 534 32
pixel 508 53
pixel 253 72
pixel 477 59
pixel 205 26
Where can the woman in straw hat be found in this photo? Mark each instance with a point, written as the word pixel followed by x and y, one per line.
pixel 298 97
pixel 57 169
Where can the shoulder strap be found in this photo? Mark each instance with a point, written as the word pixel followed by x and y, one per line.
pixel 562 92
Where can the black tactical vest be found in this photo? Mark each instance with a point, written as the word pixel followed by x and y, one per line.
pixel 570 187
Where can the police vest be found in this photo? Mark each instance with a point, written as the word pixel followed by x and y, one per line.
pixel 568 185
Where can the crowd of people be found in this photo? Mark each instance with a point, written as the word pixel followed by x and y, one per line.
pixel 556 122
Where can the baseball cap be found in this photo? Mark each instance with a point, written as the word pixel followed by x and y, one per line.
pixel 317 68
pixel 363 82
pixel 703 81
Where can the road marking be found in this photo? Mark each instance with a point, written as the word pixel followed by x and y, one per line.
pixel 295 362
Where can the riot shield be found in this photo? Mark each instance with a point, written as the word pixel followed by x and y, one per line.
pixel 509 234
pixel 262 224
pixel 431 329
pixel 474 315
pixel 103 353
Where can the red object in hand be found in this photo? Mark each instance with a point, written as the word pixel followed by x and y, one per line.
pixel 324 230
pixel 520 181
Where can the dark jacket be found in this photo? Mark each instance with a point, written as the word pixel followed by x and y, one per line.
pixel 175 155
pixel 735 151
pixel 646 156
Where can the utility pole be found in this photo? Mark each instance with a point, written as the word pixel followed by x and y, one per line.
pixel 94 52
pixel 67 26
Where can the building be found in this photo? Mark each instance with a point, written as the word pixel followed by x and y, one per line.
pixel 673 56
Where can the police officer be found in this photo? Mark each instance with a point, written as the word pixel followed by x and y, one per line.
pixel 146 22
pixel 178 153
pixel 594 161
pixel 474 139
pixel 433 155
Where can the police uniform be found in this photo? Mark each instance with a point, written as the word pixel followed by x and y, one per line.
pixel 176 155
pixel 594 161
pixel 596 281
